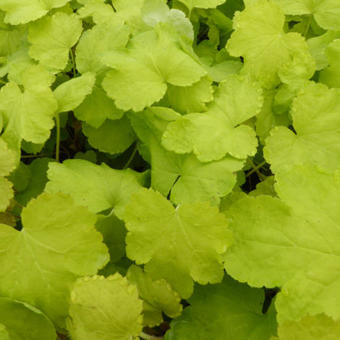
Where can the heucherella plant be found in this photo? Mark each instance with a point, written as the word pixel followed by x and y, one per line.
pixel 169 169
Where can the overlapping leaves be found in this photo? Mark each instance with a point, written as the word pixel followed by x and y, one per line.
pixel 179 245
pixel 195 96
pixel 291 242
pixel 140 74
pixel 53 249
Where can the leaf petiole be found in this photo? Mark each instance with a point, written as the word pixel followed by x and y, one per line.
pixel 57 150
pixel 132 156
pixel 256 169
pixel 73 63
pixel 149 337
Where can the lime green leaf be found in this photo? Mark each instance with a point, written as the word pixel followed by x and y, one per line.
pixel 187 245
pixel 265 187
pixel 318 327
pixel 35 77
pixel 154 11
pixel 7 159
pixel 183 176
pixel 220 71
pixel 141 15
pixel 260 28
pixel 8 162
pixel 15 64
pixel 318 46
pixel 73 92
pixel 132 85
pixel 6 193
pixel 157 12
pixel 201 182
pixel 188 180
pixel 298 70
pixel 106 306
pixel 113 136
pixel 97 107
pixel 218 132
pixel 98 187
pixel 257 224
pixel 226 311
pixel 11 39
pixel 37 181
pixel 130 12
pixel 283 99
pixel 191 98
pixel 291 243
pixel 98 10
pixel 179 134
pixel 202 3
pixel 29 112
pixel 331 75
pixel 23 11
pixel 141 73
pixel 114 232
pixel 52 37
pixel 267 119
pixel 95 42
pixel 24 322
pixel 151 123
pixel 157 297
pixel 57 244
pixel 326 12
pixel 315 114
pixel 230 199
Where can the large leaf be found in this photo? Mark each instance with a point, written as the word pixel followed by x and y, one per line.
pixel 318 327
pixel 260 39
pixel 179 245
pixel 73 92
pixel 219 131
pixel 52 37
pixel 330 76
pixel 225 311
pixel 183 176
pixel 29 107
pixel 292 243
pixel 325 12
pixel 24 322
pixel 108 307
pixel 157 295
pixel 57 244
pixel 98 187
pixel 141 72
pixel 316 139
pixel 23 11
pixel 7 165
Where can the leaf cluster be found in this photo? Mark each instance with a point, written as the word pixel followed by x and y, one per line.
pixel 169 169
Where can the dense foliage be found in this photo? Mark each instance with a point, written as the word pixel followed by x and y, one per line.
pixel 169 169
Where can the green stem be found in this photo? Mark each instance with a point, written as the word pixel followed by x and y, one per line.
pixel 3 82
pixel 33 156
pixel 57 150
pixel 149 337
pixel 132 156
pixel 73 63
pixel 256 169
pixel 309 22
